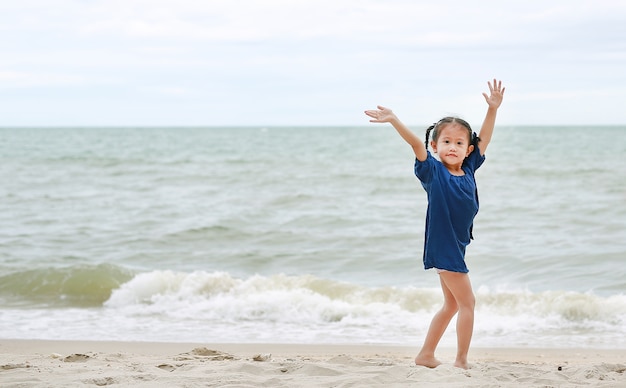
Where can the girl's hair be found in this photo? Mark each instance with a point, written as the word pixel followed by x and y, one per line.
pixel 474 139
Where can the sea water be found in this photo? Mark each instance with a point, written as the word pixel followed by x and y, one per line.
pixel 303 235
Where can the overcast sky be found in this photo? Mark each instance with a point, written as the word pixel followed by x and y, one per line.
pixel 309 62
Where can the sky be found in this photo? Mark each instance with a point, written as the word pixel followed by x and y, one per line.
pixel 309 62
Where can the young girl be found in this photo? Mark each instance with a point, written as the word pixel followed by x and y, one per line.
pixel 452 205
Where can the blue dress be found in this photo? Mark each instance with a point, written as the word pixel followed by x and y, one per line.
pixel 452 206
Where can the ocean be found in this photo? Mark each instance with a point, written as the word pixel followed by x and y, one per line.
pixel 303 235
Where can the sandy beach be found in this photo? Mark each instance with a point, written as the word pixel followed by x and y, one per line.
pixel 35 363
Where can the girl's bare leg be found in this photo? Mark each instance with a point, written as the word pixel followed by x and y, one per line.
pixel 459 285
pixel 438 325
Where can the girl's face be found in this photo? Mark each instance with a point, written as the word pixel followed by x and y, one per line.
pixel 452 145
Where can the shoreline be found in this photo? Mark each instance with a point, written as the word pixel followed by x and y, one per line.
pixel 33 363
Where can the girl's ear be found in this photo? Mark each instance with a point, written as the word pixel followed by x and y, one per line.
pixel 469 150
pixel 433 145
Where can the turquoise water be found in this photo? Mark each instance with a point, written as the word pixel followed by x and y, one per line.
pixel 302 235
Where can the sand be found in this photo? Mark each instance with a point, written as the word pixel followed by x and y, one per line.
pixel 35 363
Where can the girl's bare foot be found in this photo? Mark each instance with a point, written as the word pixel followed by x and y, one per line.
pixel 461 364
pixel 427 361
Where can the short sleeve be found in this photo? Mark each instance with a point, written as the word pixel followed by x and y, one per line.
pixel 425 170
pixel 474 160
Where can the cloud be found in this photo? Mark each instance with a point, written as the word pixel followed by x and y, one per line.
pixel 21 79
pixel 251 56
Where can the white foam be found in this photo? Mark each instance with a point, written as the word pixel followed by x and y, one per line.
pixel 304 308
pixel 217 307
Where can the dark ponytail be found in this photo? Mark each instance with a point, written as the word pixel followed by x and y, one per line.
pixel 428 130
pixel 475 140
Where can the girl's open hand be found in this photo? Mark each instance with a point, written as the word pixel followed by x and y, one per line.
pixel 496 92
pixel 380 115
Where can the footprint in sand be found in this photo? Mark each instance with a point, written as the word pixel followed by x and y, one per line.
pixel 262 357
pixel 205 354
pixel 617 368
pixel 13 366
pixel 101 382
pixel 76 357
pixel 167 367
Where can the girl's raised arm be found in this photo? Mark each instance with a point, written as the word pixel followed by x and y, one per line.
pixel 386 115
pixel 494 99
